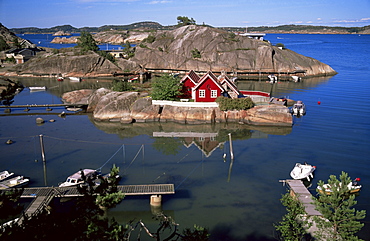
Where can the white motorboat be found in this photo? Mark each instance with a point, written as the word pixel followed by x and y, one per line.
pixel 77 178
pixel 302 171
pixel 5 174
pixel 75 79
pixel 14 182
pixel 296 78
pixel 299 108
pixel 272 79
pixel 37 88
pixel 353 187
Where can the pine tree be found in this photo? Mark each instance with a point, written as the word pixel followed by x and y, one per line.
pixel 340 219
pixel 290 228
pixel 86 42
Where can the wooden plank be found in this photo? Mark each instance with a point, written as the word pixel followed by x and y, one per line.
pixel 303 196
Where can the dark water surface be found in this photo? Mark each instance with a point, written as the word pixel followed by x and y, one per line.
pixel 236 200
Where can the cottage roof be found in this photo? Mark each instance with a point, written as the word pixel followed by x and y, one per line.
pixel 224 80
pixel 212 77
pixel 194 77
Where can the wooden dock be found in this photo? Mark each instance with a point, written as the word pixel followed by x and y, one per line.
pixel 298 190
pixel 43 195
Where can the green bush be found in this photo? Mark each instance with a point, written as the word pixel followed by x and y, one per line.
pixel 280 45
pixel 225 103
pixel 196 53
pixel 121 86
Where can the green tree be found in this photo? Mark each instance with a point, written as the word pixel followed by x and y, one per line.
pixel 166 87
pixel 195 53
pixel 340 219
pixel 86 42
pixel 120 86
pixel 128 50
pixel 168 146
pixel 289 228
pixel 3 44
pixel 183 21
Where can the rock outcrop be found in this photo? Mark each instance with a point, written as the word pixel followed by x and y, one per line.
pixel 197 48
pixel 129 107
pixel 221 51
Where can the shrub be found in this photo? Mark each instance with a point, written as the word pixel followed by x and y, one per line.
pixel 225 103
pixel 280 45
pixel 121 86
pixel 196 53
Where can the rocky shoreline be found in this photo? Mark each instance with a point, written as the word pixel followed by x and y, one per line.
pixel 134 107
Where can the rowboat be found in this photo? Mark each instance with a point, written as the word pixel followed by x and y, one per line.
pixel 37 88
pixel 299 108
pixel 353 187
pixel 302 171
pixel 14 182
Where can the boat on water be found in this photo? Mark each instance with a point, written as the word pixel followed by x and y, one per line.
pixel 353 187
pixel 5 174
pixel 299 108
pixel 78 177
pixel 14 182
pixel 302 171
pixel 37 88
pixel 60 78
pixel 76 79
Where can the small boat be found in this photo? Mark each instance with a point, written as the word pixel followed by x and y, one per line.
pixel 299 108
pixel 302 171
pixel 5 174
pixel 77 178
pixel 14 182
pixel 296 78
pixel 353 187
pixel 76 79
pixel 37 88
pixel 60 78
pixel 272 79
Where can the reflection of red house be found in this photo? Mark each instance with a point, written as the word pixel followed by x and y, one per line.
pixel 189 81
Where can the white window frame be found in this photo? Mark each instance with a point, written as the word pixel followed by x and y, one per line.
pixel 213 93
pixel 202 93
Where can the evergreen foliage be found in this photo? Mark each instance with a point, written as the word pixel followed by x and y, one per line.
pixel 183 21
pixel 128 50
pixel 3 44
pixel 120 86
pixel 340 219
pixel 166 87
pixel 225 103
pixel 290 228
pixel 195 53
pixel 86 43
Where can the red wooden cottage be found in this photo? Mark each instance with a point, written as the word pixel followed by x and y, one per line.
pixel 189 81
pixel 207 89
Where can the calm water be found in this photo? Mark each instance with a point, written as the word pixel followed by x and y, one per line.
pixel 236 200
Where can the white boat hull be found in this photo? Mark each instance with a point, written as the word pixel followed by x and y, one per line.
pixel 302 171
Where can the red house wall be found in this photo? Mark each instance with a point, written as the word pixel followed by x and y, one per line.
pixel 186 89
pixel 207 85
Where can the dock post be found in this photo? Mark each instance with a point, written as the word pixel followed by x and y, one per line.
pixel 42 148
pixel 231 147
pixel 156 200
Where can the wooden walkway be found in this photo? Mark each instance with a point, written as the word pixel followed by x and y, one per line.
pixel 299 190
pixel 43 195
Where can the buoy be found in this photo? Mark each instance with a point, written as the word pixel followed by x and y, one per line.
pixel 319 102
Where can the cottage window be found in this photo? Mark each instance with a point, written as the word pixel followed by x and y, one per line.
pixel 202 93
pixel 213 93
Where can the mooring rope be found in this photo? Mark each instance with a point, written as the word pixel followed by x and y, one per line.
pixel 188 175
pixel 99 169
pixel 142 146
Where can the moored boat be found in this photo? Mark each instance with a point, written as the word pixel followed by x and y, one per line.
pixel 353 187
pixel 302 171
pixel 76 79
pixel 299 108
pixel 78 177
pixel 37 88
pixel 14 182
pixel 5 174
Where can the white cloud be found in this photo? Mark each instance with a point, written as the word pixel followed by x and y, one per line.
pixel 159 2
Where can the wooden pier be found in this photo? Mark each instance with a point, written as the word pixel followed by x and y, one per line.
pixel 43 195
pixel 44 105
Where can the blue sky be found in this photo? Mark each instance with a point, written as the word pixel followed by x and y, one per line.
pixel 218 13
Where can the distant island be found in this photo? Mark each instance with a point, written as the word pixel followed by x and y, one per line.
pixel 148 25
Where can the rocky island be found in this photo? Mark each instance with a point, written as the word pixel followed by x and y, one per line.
pixel 199 48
